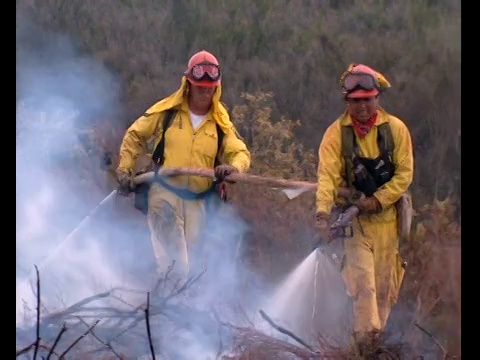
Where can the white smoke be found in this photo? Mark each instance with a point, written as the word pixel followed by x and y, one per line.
pixel 60 94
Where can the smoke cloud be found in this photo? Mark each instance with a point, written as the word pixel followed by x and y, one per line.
pixel 80 248
pixel 60 95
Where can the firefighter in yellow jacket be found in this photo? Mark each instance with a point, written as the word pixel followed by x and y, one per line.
pixel 372 268
pixel 191 140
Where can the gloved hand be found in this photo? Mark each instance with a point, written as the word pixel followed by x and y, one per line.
pixel 323 228
pixel 223 170
pixel 369 205
pixel 125 183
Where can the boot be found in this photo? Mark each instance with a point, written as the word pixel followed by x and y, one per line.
pixel 367 343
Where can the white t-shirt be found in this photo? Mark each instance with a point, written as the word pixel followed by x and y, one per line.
pixel 196 120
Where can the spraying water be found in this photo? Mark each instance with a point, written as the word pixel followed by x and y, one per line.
pixel 312 300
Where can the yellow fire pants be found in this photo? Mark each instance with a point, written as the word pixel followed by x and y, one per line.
pixel 372 272
pixel 174 227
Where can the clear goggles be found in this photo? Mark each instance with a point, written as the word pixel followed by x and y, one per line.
pixel 357 81
pixel 204 71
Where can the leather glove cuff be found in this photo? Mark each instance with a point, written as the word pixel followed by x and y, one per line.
pixel 125 181
pixel 322 228
pixel 322 216
pixel 223 170
pixel 370 205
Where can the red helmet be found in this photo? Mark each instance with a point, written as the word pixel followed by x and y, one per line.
pixel 203 70
pixel 362 81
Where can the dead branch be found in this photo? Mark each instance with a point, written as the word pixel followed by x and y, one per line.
pixel 70 311
pixel 78 339
pixel 131 326
pixel 188 283
pixel 81 303
pixel 109 313
pixel 434 339
pixel 147 321
pixel 120 300
pixel 57 339
pixel 163 281
pixel 244 315
pixel 37 341
pixel 123 318
pixel 219 321
pixel 106 344
pixel 25 349
pixel 158 308
pixel 285 331
pixel 253 344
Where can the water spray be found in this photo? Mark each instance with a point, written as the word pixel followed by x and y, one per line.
pixel 65 241
pixel 315 277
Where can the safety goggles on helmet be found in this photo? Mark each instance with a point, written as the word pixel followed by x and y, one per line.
pixel 204 71
pixel 357 81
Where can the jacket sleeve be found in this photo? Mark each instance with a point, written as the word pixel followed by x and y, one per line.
pixel 135 140
pixel 330 167
pixel 391 191
pixel 235 152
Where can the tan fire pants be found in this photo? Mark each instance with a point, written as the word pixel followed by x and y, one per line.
pixel 372 272
pixel 174 227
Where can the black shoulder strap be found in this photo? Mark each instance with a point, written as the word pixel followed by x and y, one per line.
pixel 219 144
pixel 167 121
pixel 385 139
pixel 157 156
pixel 348 143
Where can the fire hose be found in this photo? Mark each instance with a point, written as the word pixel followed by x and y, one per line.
pixel 341 227
pixel 292 188
pixel 336 230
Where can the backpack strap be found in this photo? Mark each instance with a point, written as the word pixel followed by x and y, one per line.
pixel 385 140
pixel 348 144
pixel 220 135
pixel 157 156
pixel 167 121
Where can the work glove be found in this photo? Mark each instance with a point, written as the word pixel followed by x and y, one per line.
pixel 369 205
pixel 322 227
pixel 223 170
pixel 125 183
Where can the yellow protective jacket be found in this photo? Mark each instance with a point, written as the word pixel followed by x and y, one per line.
pixel 331 169
pixel 185 147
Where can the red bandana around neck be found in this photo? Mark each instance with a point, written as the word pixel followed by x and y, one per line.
pixel 362 128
